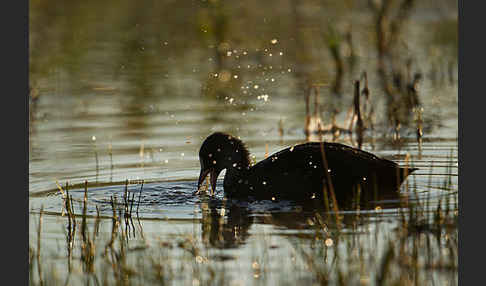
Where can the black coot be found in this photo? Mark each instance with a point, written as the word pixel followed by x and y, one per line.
pixel 301 172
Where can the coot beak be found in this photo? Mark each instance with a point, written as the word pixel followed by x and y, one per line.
pixel 214 176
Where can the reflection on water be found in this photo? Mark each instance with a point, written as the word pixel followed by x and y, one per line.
pixel 136 242
pixel 122 90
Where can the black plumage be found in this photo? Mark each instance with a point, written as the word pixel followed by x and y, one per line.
pixel 301 172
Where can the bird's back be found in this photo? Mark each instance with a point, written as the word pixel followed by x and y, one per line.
pixel 299 172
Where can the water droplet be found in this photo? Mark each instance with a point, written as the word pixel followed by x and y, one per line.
pixel 224 75
pixel 329 242
pixel 274 41
pixel 214 162
pixel 264 97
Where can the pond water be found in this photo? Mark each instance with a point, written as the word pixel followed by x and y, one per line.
pixel 124 94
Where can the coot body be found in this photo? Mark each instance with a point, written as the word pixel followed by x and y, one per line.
pixel 301 172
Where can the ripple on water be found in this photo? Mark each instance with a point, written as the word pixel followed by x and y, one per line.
pixel 164 200
pixel 168 200
pixel 161 200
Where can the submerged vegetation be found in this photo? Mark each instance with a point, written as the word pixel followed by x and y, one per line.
pixel 122 94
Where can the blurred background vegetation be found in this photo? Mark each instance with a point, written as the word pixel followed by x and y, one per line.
pixel 155 47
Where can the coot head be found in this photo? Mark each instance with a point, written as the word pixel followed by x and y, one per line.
pixel 218 152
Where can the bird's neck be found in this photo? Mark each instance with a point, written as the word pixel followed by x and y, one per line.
pixel 236 179
pixel 241 156
pixel 238 169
